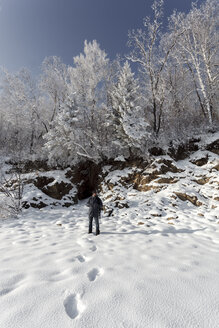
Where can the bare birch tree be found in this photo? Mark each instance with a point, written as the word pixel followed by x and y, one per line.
pixel 197 48
pixel 148 52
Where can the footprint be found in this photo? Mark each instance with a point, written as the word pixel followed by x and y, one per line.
pixel 81 258
pixel 93 248
pixel 5 291
pixel 73 306
pixel 15 280
pixel 92 275
pixel 84 242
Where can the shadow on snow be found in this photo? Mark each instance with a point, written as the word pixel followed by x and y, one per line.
pixel 163 233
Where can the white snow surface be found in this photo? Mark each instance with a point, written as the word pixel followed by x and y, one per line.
pixel 53 274
pixel 154 265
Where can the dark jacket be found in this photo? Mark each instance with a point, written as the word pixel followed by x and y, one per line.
pixel 95 206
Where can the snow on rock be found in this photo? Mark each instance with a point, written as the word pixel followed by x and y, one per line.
pixel 165 182
pixel 154 263
pixel 50 188
pixel 120 158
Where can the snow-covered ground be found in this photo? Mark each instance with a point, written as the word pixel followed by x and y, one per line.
pixel 53 274
pixel 154 265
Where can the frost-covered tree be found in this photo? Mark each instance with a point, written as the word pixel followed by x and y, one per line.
pixel 180 108
pixel 96 109
pixel 197 49
pixel 54 84
pixel 89 77
pixel 61 139
pixel 78 131
pixel 149 53
pixel 128 117
pixel 19 111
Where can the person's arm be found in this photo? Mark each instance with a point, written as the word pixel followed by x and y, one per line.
pixel 88 203
pixel 100 204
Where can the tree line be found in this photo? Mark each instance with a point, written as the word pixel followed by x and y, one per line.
pixel 98 109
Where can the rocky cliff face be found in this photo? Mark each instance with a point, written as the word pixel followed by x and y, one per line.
pixel 177 177
pixel 165 183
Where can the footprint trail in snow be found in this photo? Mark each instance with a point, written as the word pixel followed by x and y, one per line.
pixel 73 305
pixel 94 273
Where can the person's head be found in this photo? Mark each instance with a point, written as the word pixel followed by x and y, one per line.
pixel 94 193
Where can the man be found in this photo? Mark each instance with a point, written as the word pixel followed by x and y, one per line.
pixel 95 206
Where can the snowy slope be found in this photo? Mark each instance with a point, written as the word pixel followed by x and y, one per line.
pixel 53 274
pixel 155 263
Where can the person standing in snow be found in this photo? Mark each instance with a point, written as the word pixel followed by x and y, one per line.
pixel 95 206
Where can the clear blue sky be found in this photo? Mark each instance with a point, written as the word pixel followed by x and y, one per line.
pixel 30 30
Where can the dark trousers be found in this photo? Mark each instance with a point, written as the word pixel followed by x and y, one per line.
pixel 91 216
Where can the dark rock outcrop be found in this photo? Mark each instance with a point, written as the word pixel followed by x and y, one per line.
pixel 214 147
pixel 192 199
pixel 156 151
pixel 183 150
pixel 86 177
pixel 202 180
pixel 56 190
pixel 39 204
pixel 201 161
